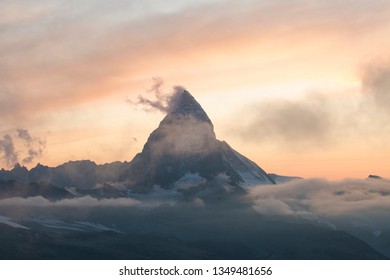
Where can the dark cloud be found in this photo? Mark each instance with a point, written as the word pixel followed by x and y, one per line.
pixel 10 155
pixel 32 154
pixel 28 150
pixel 35 146
pixel 300 123
pixel 24 134
pixel 162 101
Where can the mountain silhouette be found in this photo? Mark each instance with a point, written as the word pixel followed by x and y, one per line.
pixel 183 146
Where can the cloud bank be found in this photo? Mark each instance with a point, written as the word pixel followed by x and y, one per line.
pixel 337 204
pixel 293 123
pixel 320 119
pixel 82 202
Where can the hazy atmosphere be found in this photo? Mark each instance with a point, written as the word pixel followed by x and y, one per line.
pixel 195 129
pixel 300 87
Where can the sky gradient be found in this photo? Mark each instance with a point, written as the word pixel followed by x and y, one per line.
pixel 300 87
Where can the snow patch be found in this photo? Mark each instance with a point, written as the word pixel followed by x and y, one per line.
pixel 7 221
pixel 75 226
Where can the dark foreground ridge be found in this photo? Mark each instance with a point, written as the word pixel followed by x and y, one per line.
pixel 182 233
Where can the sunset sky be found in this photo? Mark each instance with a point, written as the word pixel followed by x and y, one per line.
pixel 300 87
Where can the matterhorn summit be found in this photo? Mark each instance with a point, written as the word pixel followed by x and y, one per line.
pixel 184 144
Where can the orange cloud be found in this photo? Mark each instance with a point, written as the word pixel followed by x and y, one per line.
pixel 79 60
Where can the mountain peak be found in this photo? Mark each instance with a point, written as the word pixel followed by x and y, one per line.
pixel 185 104
pixel 185 143
pixel 17 166
pixel 376 177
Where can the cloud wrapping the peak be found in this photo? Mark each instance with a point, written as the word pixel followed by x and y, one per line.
pixel 162 101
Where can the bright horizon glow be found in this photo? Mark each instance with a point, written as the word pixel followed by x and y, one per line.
pixel 300 88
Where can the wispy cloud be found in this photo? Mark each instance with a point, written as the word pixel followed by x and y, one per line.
pixel 295 124
pixel 7 147
pixel 25 151
pixel 163 101
pixel 376 84
pixel 127 40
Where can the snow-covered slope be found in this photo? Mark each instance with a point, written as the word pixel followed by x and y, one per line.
pixel 250 174
pixel 279 179
pixel 82 226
